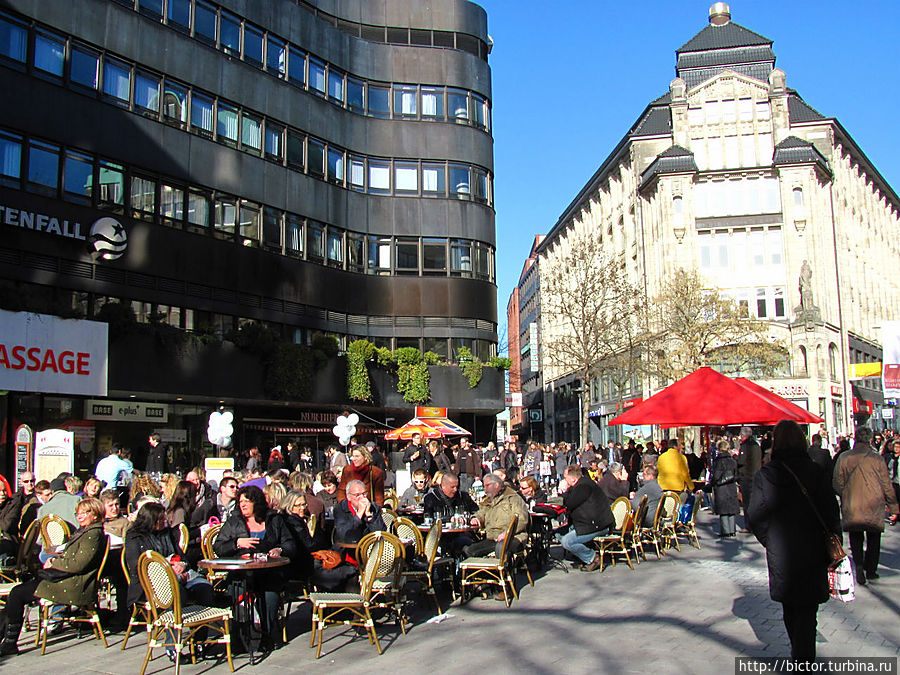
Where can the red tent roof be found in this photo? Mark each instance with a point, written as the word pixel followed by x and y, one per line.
pixel 708 398
pixel 803 415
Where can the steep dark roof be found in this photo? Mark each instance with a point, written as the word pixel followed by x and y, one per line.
pixel 723 37
pixel 654 122
pixel 793 150
pixel 674 159
pixel 800 111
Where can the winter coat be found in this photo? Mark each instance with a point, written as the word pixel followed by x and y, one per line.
pixel 784 522
pixel 442 462
pixel 164 542
pixel 439 505
pixel 423 461
pixel 82 559
pixel 236 528
pixel 496 513
pixel 372 476
pixel 612 487
pixel 468 462
pixel 296 544
pixel 749 462
pixel 349 528
pixel 654 494
pixel 724 482
pixel 862 481
pixel 588 507
pixel 673 471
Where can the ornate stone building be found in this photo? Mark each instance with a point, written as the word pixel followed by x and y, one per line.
pixel 731 172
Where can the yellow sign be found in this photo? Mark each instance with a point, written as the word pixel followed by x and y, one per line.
pixel 425 411
pixel 220 463
pixel 861 370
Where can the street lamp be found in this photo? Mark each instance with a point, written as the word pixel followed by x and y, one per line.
pixel 578 390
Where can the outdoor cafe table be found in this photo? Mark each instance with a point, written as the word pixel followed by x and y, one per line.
pixel 242 589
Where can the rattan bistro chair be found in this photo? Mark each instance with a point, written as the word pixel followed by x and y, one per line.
pixel 173 625
pixel 409 533
pixel 217 579
pixel 689 529
pixel 54 531
pixel 670 503
pixel 349 608
pixel 637 542
pixel 424 569
pixel 388 584
pixel 89 614
pixel 140 611
pixel 617 542
pixel 389 516
pixel 495 571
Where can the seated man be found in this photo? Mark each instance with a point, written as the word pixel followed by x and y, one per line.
pixel 64 500
pixel 357 515
pixel 446 499
pixel 589 513
pixel 495 514
pixel 614 482
pixel 652 490
pixel 414 495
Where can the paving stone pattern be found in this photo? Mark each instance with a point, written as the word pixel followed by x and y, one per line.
pixel 689 612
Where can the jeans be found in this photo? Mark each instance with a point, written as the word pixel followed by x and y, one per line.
pixel 575 544
pixel 726 525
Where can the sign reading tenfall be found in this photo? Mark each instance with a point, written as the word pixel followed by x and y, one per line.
pixel 46 354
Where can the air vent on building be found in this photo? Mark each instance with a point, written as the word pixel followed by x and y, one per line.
pixel 10 257
pixel 481 324
pixel 110 276
pixel 76 269
pixel 380 321
pixel 39 262
pixel 248 299
pixel 337 317
pixel 198 290
pixel 407 321
pixel 436 321
pixel 294 308
pixel 273 304
pixel 224 295
pixel 356 320
pixel 140 280
pixel 170 286
pixel 462 323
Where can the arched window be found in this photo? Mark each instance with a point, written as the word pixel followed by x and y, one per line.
pixel 820 362
pixel 798 196
pixel 832 361
pixel 802 362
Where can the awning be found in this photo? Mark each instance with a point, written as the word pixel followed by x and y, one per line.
pixel 428 427
pixel 280 429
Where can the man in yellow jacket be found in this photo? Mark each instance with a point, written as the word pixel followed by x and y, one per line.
pixel 673 470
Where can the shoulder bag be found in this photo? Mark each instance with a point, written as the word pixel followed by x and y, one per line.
pixel 833 542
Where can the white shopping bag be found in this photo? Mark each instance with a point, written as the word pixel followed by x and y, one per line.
pixel 841 581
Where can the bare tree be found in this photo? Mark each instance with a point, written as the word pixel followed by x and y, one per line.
pixel 591 315
pixel 695 325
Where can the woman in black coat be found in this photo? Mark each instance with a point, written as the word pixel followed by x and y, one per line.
pixel 724 481
pixel 785 523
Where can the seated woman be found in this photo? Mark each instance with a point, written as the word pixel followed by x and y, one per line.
pixel 69 579
pixel 531 491
pixel 150 532
pixel 254 528
pixel 361 468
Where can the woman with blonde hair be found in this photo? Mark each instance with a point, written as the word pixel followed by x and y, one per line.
pixel 361 468
pixel 168 481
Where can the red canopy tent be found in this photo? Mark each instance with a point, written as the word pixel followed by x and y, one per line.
pixel 431 423
pixel 708 398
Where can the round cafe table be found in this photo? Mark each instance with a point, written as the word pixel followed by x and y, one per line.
pixel 242 588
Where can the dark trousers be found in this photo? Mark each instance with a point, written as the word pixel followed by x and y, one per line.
pixel 869 560
pixel 485 546
pixel 800 622
pixel 20 596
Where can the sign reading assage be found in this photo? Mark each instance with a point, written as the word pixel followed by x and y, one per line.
pixel 46 354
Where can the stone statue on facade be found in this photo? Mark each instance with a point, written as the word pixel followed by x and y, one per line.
pixel 807 312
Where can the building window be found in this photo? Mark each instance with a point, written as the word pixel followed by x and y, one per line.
pixel 251 133
pixel 201 115
pixel 49 53
pixel 460 258
pixel 78 175
pixel 761 303
pixel 198 209
pixel 334 251
pixel 295 143
pixel 335 86
pixel 225 216
pixel 175 105
pixel 378 255
pixel 152 8
pixel 205 22
pixel 357 173
pixel 43 167
pixel 84 67
pixel 379 177
pixel 146 93
pixel 457 105
pixel 405 101
pixel 276 51
pixel 459 180
pixel 779 302
pixel 798 196
pixel 437 346
pixel 296 67
pixel 406 177
pixel 250 220
pixel 117 81
pixel 355 95
pixel 227 124
pixel 293 235
pixel 315 240
pixel 179 13
pixel 434 256
pixel 317 77
pixel 316 158
pixel 832 362
pixel 171 203
pixel 379 101
pixel 335 165
pixel 10 158
pixel 433 105
pixel 803 361
pixel 13 39
pixel 253 45
pixel 355 252
pixel 112 184
pixel 143 197
pixel 407 256
pixel 433 181
pixel 230 34
pixel 274 136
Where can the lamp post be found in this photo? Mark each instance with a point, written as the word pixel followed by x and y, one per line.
pixel 578 390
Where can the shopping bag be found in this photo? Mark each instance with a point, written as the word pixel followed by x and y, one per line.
pixel 841 581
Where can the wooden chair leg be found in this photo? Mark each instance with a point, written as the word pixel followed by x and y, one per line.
pixel 227 638
pixel 153 634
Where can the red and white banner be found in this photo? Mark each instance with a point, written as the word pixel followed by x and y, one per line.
pixel 890 373
pixel 46 354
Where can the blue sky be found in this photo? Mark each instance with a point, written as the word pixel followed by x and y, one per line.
pixel 570 78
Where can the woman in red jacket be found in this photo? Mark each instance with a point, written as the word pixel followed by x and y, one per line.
pixel 361 468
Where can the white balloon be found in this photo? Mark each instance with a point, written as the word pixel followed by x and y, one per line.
pixel 349 431
pixel 338 431
pixel 353 419
pixel 227 430
pixel 227 417
pixel 342 419
pixel 344 440
pixel 225 442
pixel 212 436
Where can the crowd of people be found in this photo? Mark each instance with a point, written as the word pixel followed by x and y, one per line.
pixel 276 505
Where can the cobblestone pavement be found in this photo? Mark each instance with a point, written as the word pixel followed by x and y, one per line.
pixel 692 611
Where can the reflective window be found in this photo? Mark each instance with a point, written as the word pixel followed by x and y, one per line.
pixel 251 132
pixel 250 221
pixel 335 248
pixel 78 174
pixel 293 235
pixel 378 255
pixel 379 176
pixel 152 7
pixel 355 95
pixel 180 13
pixel 457 105
pixel 407 256
pixel 171 202
pixel 227 123
pixel 272 228
pixel 274 136
pixel 10 156
pixel 433 178
pixel 13 39
pixel 315 240
pixel 198 208
pixel 143 195
pixel 335 85
pixel 43 165
pixel 84 66
pixel 49 53
pixel 297 67
pixel 175 105
pixel 276 56
pixel 253 45
pixel 317 76
pixel 434 255
pixel 335 165
pixel 406 177
pixel 316 157
pixel 146 92
pixel 357 173
pixel 205 22
pixel 479 111
pixel 225 215
pixel 355 252
pixel 432 102
pixel 117 80
pixel 201 115
pixel 230 34
pixel 459 180
pixel 295 149
pixel 111 180
pixel 405 101
pixel 460 258
pixel 379 101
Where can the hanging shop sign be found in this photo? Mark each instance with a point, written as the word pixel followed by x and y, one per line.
pixel 126 411
pixel 46 354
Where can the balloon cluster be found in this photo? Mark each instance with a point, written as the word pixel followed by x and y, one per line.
pixel 345 428
pixel 219 430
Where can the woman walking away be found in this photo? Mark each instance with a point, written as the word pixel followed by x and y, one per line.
pixel 790 495
pixel 724 480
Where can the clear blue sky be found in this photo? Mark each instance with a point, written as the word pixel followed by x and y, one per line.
pixel 570 77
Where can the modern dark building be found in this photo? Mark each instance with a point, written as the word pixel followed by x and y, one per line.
pixel 320 168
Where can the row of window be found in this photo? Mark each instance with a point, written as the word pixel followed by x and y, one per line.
pixel 739 251
pixel 56 171
pixel 760 303
pixel 737 197
pixel 729 111
pixel 235 36
pixel 731 152
pixel 177 104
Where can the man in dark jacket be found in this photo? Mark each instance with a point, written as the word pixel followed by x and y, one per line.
pixel 820 455
pixel 589 514
pixel 614 482
pixel 156 454
pixel 357 515
pixel 468 465
pixel 446 499
pixel 417 456
pixel 749 462
pixel 509 461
